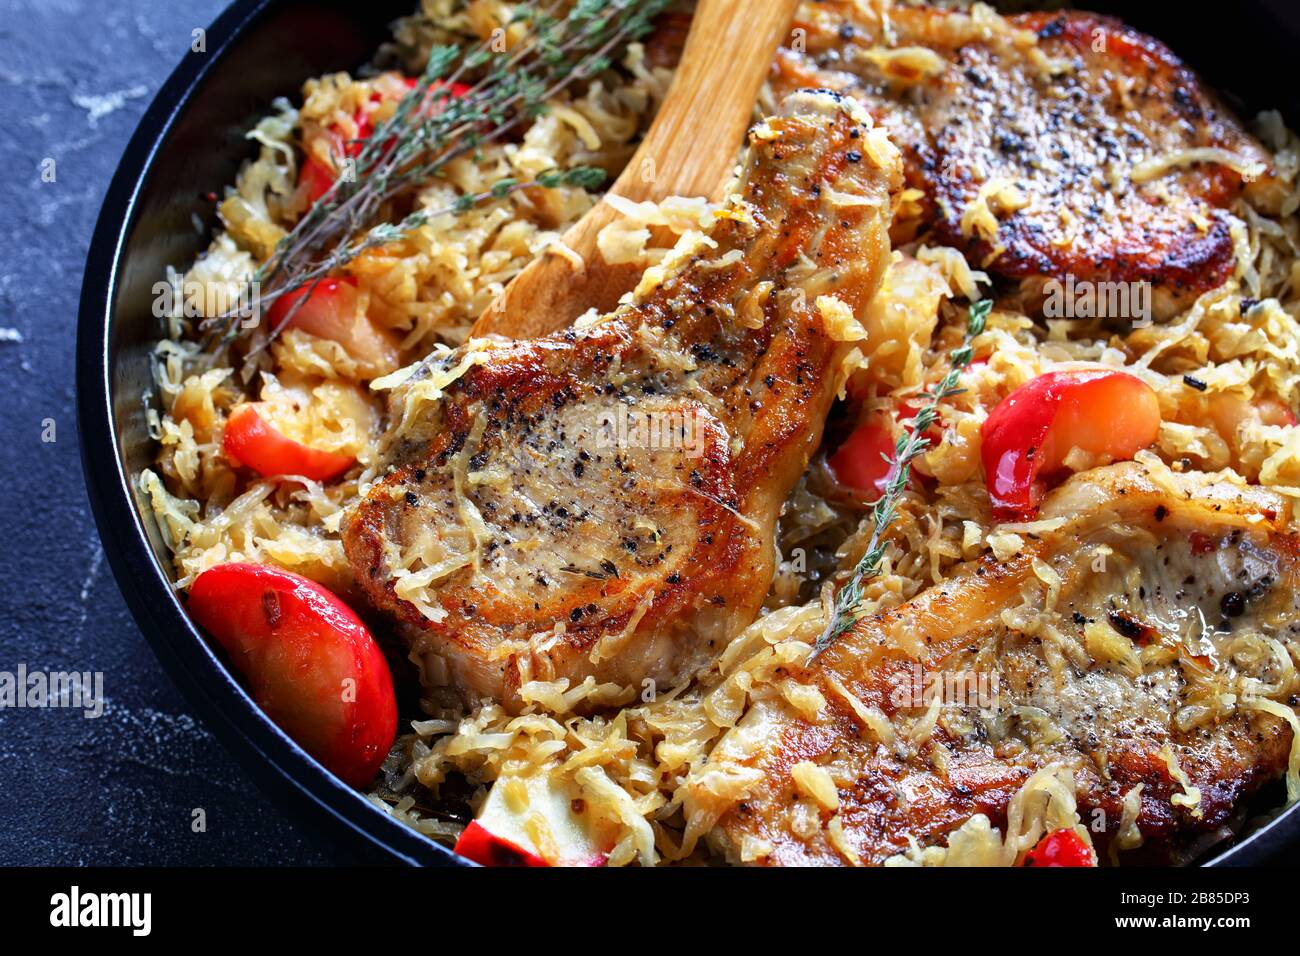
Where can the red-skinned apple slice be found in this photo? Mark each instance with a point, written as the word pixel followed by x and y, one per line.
pixel 254 442
pixel 860 463
pixel 316 178
pixel 485 848
pixel 1104 413
pixel 309 661
pixel 1061 848
pixel 532 821
pixel 328 310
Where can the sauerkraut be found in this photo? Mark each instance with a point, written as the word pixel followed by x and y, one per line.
pixel 641 758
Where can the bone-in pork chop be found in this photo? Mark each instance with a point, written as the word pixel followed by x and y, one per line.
pixel 1130 646
pixel 601 502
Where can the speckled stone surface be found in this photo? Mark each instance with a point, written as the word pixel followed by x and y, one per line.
pixel 75 75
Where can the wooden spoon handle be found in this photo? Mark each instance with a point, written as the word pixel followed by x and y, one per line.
pixel 689 150
pixel 695 136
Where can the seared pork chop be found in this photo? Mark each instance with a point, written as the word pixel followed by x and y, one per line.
pixel 1048 144
pixel 601 502
pixel 1125 646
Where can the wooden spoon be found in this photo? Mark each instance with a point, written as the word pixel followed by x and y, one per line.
pixel 689 150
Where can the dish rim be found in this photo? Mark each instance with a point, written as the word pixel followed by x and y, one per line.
pixel 276 763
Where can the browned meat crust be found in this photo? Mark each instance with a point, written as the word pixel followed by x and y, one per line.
pixel 583 553
pixel 1057 140
pixel 1065 118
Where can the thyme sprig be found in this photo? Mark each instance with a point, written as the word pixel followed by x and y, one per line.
pixel 385 233
pixel 911 445
pixel 432 125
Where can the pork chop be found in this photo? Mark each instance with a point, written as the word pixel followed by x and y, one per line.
pixel 601 502
pixel 1048 145
pixel 1117 646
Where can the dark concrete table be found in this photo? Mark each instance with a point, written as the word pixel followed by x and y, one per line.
pixel 75 75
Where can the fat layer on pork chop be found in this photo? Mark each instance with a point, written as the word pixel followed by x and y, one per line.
pixel 1137 649
pixel 601 502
